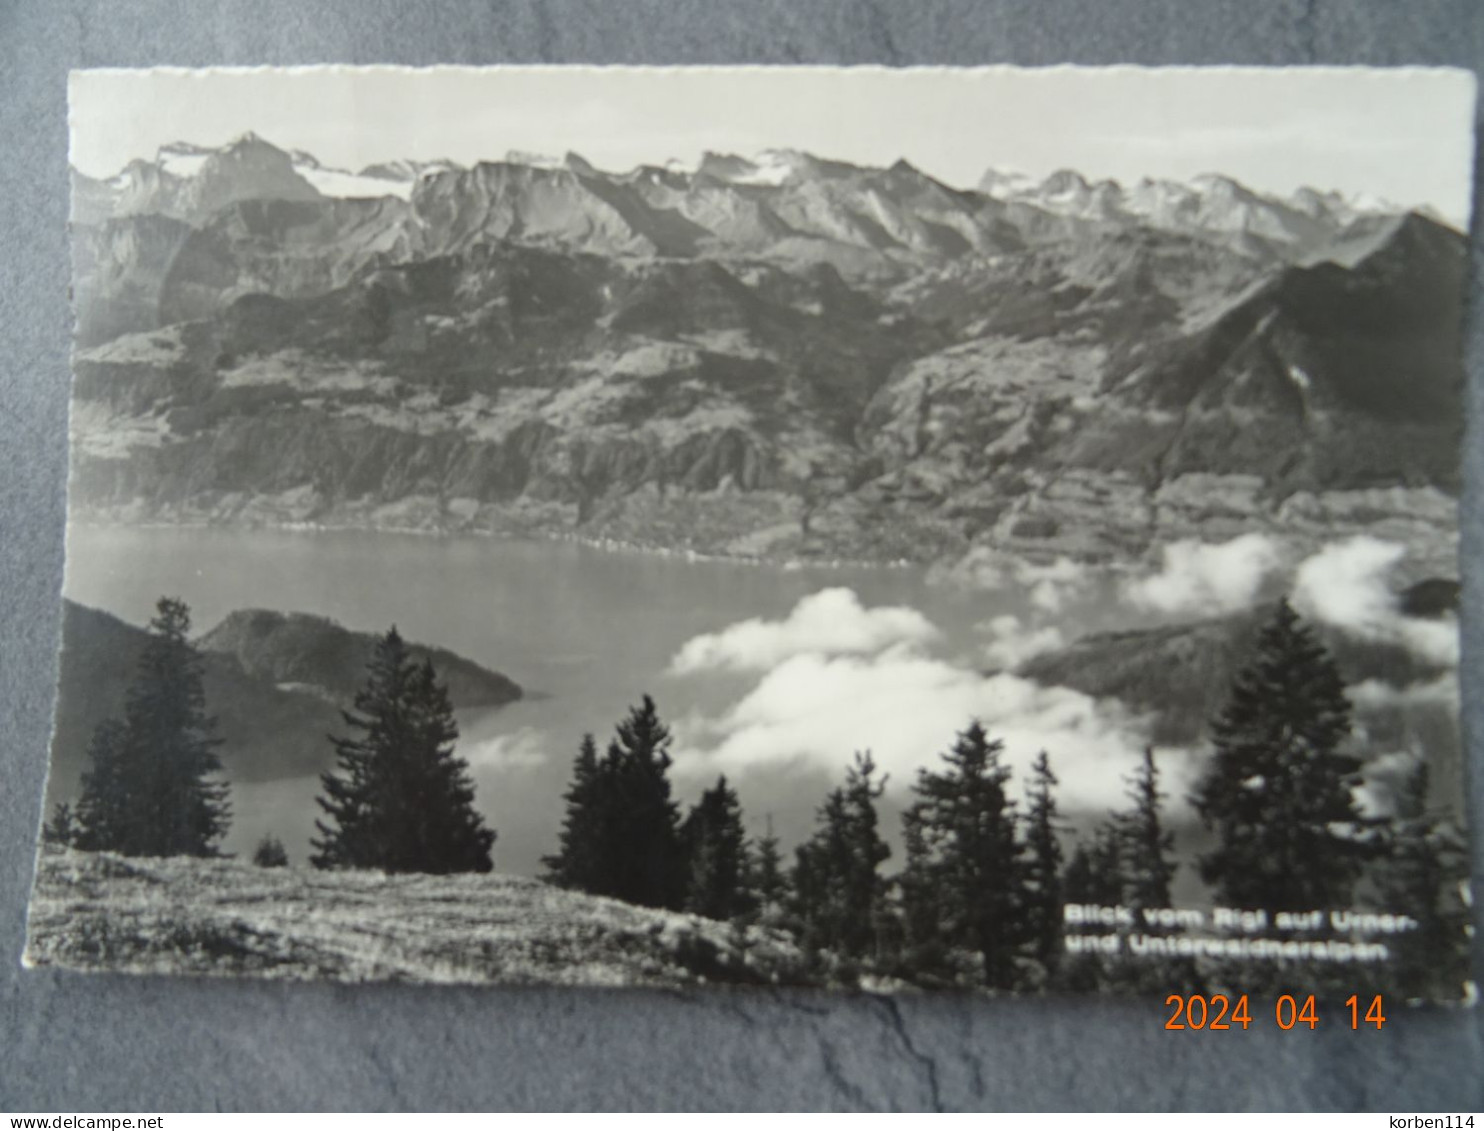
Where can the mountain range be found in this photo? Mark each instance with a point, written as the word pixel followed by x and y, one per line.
pixel 781 357
pixel 733 202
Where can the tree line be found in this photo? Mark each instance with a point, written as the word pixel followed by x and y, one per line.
pixel 980 895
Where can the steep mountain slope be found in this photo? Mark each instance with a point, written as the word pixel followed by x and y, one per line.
pixel 280 247
pixel 504 378
pixel 1140 390
pixel 119 267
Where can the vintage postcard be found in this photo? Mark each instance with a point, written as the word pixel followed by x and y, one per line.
pixel 989 530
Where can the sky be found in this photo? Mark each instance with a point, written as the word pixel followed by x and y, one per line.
pixel 1404 135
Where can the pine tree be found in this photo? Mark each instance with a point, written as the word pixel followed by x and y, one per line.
pixel 1138 848
pixel 185 811
pixel 836 888
pixel 62 829
pixel 925 952
pixel 644 831
pixel 716 850
pixel 1095 875
pixel 766 881
pixel 582 862
pixel 1043 868
pixel 1145 845
pixel 1095 872
pixel 401 800
pixel 1423 876
pixel 104 811
pixel 1278 792
pixel 152 788
pixel 270 853
pixel 970 855
pixel 621 832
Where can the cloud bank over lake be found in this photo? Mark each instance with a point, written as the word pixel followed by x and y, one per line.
pixel 834 676
pixel 831 622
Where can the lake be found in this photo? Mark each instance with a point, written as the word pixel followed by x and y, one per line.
pixel 585 631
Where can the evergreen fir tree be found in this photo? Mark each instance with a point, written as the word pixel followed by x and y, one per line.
pixel 62 830
pixel 1095 873
pixel 270 853
pixel 104 811
pixel 1145 846
pixel 1424 875
pixel 1043 868
pixel 621 832
pixel 716 851
pixel 836 886
pixel 925 956
pixel 401 800
pixel 969 855
pixel 766 881
pixel 644 831
pixel 152 788
pixel 185 811
pixel 1278 792
pixel 582 862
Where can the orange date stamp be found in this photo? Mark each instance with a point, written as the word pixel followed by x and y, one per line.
pixel 1220 1011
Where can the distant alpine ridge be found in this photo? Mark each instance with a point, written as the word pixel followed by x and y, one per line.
pixel 780 357
pixel 728 203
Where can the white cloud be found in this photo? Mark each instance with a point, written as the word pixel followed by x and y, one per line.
pixel 1012 643
pixel 1210 578
pixel 521 748
pixel 1385 779
pixel 1376 694
pixel 1435 640
pixel 1348 585
pixel 906 707
pixel 829 623
pixel 1345 584
pixel 1052 586
pixel 1049 587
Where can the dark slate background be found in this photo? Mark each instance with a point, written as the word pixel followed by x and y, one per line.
pixel 74 1043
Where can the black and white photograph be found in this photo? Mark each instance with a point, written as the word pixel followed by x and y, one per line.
pixel 978 530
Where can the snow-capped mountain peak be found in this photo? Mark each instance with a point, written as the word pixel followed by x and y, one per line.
pixel 1208 204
